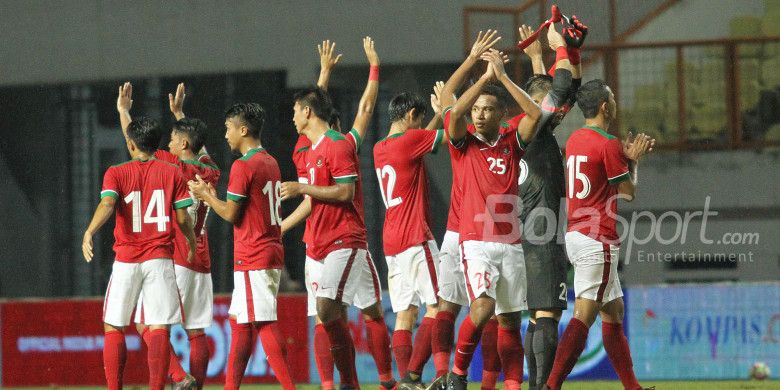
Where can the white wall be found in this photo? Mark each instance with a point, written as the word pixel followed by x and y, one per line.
pixel 60 41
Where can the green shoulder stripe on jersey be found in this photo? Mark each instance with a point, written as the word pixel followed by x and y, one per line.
pixel 520 141
pixel 199 164
pixel 396 135
pixel 445 111
pixel 504 125
pixel 122 163
pixel 345 179
pixel 334 135
pixel 251 153
pixel 437 140
pixel 620 178
pixel 235 197
pixel 358 141
pixel 601 131
pixel 110 193
pixel 182 203
pixel 303 149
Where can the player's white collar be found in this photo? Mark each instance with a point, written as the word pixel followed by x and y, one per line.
pixel 484 141
pixel 314 145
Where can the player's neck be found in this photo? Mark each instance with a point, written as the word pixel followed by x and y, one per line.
pixel 489 135
pixel 249 144
pixel 186 155
pixel 398 127
pixel 316 130
pixel 143 156
pixel 597 122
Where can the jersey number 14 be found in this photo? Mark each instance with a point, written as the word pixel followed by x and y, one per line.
pixel 155 210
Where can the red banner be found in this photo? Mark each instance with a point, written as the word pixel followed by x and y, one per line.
pixel 60 343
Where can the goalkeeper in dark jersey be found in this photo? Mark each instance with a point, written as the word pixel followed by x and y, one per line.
pixel 542 185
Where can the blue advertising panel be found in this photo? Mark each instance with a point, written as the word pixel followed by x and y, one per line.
pixel 714 331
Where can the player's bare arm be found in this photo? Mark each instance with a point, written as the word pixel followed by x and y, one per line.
pixel 527 126
pixel 229 210
pixel 176 101
pixel 481 45
pixel 297 216
pixel 103 212
pixel 328 60
pixel 185 224
pixel 338 193
pixel 368 100
pixel 634 148
pixel 458 127
pixel 124 102
pixel 533 51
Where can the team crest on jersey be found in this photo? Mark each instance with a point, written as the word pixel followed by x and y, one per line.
pixel 319 161
pixel 506 150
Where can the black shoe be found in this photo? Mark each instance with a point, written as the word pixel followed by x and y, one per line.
pixel 457 382
pixel 407 383
pixel 439 383
pixel 389 385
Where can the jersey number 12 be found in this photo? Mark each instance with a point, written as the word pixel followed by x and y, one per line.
pixel 387 192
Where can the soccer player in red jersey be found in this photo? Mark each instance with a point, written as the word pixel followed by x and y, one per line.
pixel 143 192
pixel 600 169
pixel 346 273
pixel 322 356
pixel 410 251
pixel 492 258
pixel 252 207
pixel 452 290
pixel 193 280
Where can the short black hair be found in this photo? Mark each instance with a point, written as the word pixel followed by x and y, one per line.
pixel 496 91
pixel 251 114
pixel 403 103
pixel 591 95
pixel 317 99
pixel 334 119
pixel 194 129
pixel 538 83
pixel 145 133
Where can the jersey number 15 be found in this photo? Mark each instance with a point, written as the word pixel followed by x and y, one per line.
pixel 573 165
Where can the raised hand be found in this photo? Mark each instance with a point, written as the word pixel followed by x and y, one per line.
pixel 327 59
pixel 576 33
pixel 368 47
pixel 200 188
pixel 554 38
pixel 483 43
pixel 124 101
pixel 176 102
pixel 496 60
pixel 435 101
pixel 535 48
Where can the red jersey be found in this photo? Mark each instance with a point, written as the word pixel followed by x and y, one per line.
pixel 595 164
pixel 403 183
pixel 256 182
pixel 453 219
pixel 333 159
pixel 147 193
pixel 299 159
pixel 199 211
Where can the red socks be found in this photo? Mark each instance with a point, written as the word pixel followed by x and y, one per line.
pixel 341 348
pixel 199 357
pixel 442 341
pixel 241 342
pixel 570 347
pixel 510 349
pixel 274 347
pixel 379 345
pixel 422 346
pixel 175 370
pixel 158 355
pixel 114 358
pixel 616 345
pixel 491 363
pixel 402 350
pixel 468 337
pixel 323 357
